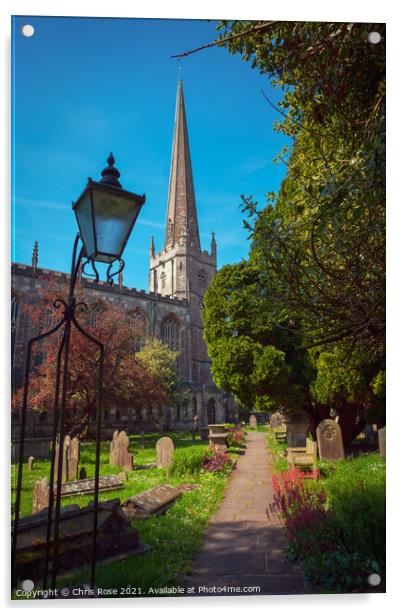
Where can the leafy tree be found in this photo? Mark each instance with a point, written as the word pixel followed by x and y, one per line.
pixel 318 247
pixel 127 382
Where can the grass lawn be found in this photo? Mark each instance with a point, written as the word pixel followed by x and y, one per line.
pixel 174 536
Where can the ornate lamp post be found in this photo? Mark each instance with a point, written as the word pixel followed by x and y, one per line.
pixel 106 214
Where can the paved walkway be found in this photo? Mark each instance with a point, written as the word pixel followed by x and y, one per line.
pixel 241 546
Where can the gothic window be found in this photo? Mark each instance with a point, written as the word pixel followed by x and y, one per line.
pixel 211 411
pixel 94 315
pixel 14 319
pixel 155 282
pixel 138 323
pixel 163 280
pixel 202 279
pixel 170 332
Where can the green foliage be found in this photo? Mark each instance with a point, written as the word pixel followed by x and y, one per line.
pixel 188 462
pixel 302 323
pixel 161 362
pixel 356 497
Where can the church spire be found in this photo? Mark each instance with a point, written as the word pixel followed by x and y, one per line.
pixel 181 201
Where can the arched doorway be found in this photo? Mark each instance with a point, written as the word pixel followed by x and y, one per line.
pixel 211 411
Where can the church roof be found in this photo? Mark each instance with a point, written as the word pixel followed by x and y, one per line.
pixel 181 210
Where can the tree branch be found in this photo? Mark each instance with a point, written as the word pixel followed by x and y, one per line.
pixel 259 28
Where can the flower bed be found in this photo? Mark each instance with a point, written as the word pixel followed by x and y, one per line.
pixel 336 527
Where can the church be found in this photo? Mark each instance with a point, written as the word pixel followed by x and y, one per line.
pixel 171 309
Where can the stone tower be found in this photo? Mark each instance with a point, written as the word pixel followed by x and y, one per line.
pixel 182 269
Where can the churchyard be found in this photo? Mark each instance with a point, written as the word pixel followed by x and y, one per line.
pixel 169 540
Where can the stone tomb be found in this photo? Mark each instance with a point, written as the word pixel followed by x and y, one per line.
pixel 40 497
pixel 151 502
pixel 116 538
pixel 218 434
pixel 253 421
pixel 119 455
pixel 382 441
pixel 71 459
pixel 164 452
pixel 329 438
pixel 276 420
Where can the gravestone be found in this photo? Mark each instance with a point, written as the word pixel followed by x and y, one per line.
pixel 71 459
pixel 30 463
pixel 122 476
pixel 276 420
pixel 152 502
pixel 253 421
pixel 164 452
pixel 329 438
pixel 297 427
pixel 40 497
pixel 119 455
pixel 382 441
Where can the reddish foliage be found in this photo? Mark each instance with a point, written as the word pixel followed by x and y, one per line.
pixel 300 505
pixel 126 384
pixel 217 461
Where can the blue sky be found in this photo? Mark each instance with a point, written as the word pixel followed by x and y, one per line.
pixel 85 86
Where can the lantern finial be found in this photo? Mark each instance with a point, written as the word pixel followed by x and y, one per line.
pixel 110 174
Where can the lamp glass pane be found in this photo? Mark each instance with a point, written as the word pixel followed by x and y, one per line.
pixel 114 217
pixel 84 219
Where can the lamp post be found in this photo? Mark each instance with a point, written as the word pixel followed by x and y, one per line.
pixel 106 214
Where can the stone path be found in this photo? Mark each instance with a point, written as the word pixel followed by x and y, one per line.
pixel 241 546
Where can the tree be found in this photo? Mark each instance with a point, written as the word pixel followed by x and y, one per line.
pixel 127 383
pixel 318 247
pixel 161 362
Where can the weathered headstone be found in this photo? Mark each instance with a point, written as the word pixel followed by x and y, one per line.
pixel 253 421
pixel 30 463
pixel 276 420
pixel 329 438
pixel 119 454
pixel 122 476
pixel 382 441
pixel 71 459
pixel 40 497
pixel 164 452
pixel 297 427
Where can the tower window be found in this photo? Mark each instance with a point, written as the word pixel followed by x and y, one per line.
pixel 163 280
pixel 202 279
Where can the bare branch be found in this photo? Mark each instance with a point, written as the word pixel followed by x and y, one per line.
pixel 259 28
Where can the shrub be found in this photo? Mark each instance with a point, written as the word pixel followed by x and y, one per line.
pixel 236 437
pixel 188 461
pixel 217 462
